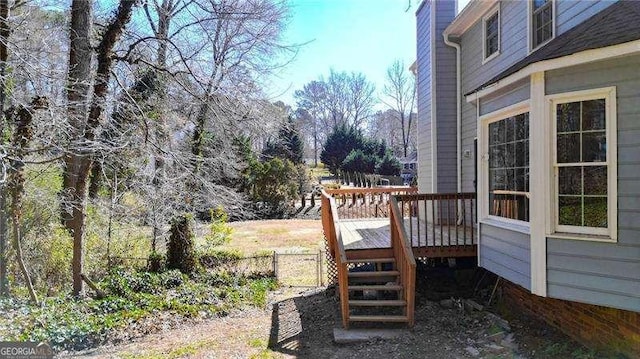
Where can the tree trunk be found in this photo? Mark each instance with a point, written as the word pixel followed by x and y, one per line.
pixel 21 138
pixel 18 248
pixel 78 85
pixel 4 54
pixel 79 78
pixel 3 242
pixel 78 163
pixel 315 142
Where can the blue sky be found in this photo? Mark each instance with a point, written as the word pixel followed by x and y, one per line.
pixel 346 35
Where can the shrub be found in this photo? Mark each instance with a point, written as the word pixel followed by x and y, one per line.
pixel 274 184
pixel 181 254
pixel 358 161
pixel 213 258
pixel 219 230
pixel 156 262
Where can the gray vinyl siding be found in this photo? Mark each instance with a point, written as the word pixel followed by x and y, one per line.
pixel 506 253
pixel 423 52
pixel 513 46
pixel 446 101
pixel 604 273
pixel 468 135
pixel 571 12
pixel 506 97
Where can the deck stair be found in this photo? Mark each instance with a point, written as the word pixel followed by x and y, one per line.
pixel 376 286
pixel 375 294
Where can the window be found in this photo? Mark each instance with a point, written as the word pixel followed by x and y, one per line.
pixel 584 132
pixel 542 29
pixel 491 34
pixel 508 149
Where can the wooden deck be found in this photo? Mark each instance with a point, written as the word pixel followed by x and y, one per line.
pixel 373 234
pixel 394 226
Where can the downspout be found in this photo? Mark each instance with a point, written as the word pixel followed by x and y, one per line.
pixel 458 117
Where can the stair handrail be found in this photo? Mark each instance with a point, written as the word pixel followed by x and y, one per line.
pixel 405 260
pixel 331 221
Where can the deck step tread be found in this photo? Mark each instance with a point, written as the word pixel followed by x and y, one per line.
pixel 376 287
pixel 385 273
pixel 378 303
pixel 372 260
pixel 379 318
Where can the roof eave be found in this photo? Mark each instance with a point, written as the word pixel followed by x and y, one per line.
pixel 468 16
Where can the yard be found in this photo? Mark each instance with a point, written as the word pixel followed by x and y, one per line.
pixel 299 322
pixel 284 236
pixel 300 325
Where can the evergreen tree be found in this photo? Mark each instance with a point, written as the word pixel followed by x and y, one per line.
pixel 388 165
pixel 287 146
pixel 339 145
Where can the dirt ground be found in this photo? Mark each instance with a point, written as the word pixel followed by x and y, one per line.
pixel 299 324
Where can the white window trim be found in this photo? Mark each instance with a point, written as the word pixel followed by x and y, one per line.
pixel 530 25
pixel 578 232
pixel 494 11
pixel 483 145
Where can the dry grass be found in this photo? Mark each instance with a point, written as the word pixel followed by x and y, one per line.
pixel 282 236
pixel 303 238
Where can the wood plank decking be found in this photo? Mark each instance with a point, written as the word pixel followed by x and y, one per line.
pixel 374 233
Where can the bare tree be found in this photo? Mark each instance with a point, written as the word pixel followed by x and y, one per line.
pixel 85 120
pixel 361 99
pixel 399 95
pixel 5 31
pixel 342 99
pixel 22 136
pixel 311 102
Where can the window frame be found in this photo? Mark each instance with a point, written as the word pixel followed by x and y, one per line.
pixel 495 11
pixel 608 234
pixel 531 30
pixel 483 177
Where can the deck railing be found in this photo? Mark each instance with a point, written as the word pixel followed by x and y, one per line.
pixel 330 222
pixel 355 203
pixel 405 262
pixel 439 219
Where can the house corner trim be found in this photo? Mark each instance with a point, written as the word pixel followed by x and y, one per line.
pixel 539 149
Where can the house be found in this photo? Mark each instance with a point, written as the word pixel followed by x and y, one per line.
pixel 535 106
pixel 409 166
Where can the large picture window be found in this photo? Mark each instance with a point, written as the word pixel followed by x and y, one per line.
pixel 585 189
pixel 508 181
pixel 541 22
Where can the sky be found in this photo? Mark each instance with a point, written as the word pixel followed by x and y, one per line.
pixel 346 35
